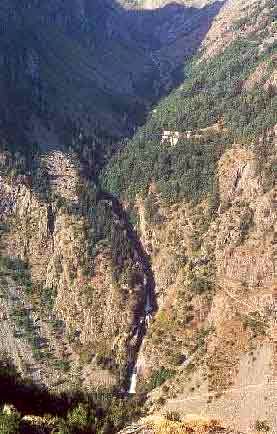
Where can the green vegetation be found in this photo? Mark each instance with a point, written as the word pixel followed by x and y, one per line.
pixel 9 423
pixel 26 328
pixel 79 418
pixel 212 92
pixel 84 418
pixel 48 297
pixel 200 284
pixel 152 213
pixel 201 337
pixel 74 413
pixel 183 171
pixel 63 365
pixel 257 323
pixel 18 270
pixel 177 358
pixel 158 377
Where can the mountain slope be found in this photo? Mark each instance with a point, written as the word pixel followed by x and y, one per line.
pixel 225 89
pixel 75 276
pixel 95 65
pixel 158 266
pixel 200 178
pixel 55 68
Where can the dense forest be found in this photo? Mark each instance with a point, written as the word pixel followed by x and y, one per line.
pixel 212 92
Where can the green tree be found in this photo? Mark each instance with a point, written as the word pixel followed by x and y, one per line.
pixel 79 417
pixel 9 423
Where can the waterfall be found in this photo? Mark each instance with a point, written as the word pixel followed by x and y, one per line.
pixel 133 382
pixel 148 308
pixel 140 332
pixel 148 285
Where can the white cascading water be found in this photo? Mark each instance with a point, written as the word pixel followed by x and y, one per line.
pixel 133 383
pixel 144 323
pixel 148 307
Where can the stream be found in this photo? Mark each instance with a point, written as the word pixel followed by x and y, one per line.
pixel 142 328
pixel 150 306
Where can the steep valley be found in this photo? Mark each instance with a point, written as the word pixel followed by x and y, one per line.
pixel 138 215
pixel 71 244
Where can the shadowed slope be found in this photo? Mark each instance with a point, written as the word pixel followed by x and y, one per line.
pixel 96 64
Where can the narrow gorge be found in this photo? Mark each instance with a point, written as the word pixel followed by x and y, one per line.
pixel 149 306
pixel 138 216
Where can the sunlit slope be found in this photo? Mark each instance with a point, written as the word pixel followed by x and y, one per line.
pixel 235 88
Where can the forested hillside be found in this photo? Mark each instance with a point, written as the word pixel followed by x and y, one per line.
pixel 55 72
pixel 221 89
pixel 137 216
pixel 92 66
pixel 199 181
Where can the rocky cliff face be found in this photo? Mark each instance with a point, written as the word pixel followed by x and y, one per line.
pixel 215 283
pixel 76 278
pixel 183 214
pixel 67 259
pixel 211 347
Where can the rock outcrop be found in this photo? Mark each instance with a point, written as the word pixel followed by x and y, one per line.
pixel 70 264
pixel 215 284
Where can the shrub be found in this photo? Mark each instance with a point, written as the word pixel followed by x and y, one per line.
pixel 79 417
pixel 63 365
pixel 159 377
pixel 173 416
pixel 152 210
pixel 9 423
pixel 200 284
pixel 262 425
pixel 48 297
pixel 256 323
pixel 85 357
pixel 201 336
pixel 177 358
